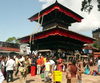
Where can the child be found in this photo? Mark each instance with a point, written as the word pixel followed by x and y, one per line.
pixel 94 72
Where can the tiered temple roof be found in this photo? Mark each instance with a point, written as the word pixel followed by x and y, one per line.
pixel 55 20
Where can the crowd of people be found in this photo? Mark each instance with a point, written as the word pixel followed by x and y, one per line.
pixel 44 66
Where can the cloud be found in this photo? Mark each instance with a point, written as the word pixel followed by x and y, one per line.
pixel 89 23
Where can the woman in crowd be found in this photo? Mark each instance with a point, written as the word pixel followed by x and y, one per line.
pixel 33 65
pixel 87 69
pixel 4 60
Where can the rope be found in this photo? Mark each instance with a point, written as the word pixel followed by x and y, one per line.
pixel 38 17
pixel 42 20
pixel 41 23
pixel 32 35
pixel 30 38
pixel 38 25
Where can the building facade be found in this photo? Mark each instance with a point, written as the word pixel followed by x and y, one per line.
pixel 96 35
pixel 7 48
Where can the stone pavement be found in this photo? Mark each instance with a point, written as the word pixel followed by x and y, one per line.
pixel 37 79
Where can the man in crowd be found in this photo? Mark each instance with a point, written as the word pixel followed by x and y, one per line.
pixel 10 68
pixel 47 69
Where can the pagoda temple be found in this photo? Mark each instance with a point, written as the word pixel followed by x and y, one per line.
pixel 55 35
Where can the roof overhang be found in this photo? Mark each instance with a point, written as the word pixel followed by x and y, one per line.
pixel 60 8
pixel 9 49
pixel 57 31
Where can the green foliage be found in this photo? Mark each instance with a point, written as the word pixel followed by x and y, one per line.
pixel 87 6
pixel 96 46
pixel 12 40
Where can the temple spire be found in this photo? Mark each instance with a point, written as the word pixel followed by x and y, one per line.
pixel 56 1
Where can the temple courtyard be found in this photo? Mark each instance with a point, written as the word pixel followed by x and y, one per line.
pixel 37 79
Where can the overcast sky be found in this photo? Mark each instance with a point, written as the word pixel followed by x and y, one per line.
pixel 89 23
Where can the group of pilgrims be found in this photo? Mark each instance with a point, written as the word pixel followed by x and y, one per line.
pixel 44 66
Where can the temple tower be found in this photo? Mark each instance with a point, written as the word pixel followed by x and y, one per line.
pixel 55 21
pixel 56 15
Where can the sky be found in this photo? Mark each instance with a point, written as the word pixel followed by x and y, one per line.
pixel 14 16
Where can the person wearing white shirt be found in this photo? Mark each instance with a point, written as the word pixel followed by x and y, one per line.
pixel 99 64
pixel 22 59
pixel 10 68
pixel 47 70
pixel 52 64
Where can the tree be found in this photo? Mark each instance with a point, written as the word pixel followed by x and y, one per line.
pixel 96 46
pixel 87 6
pixel 12 40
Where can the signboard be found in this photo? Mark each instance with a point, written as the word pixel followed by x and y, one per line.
pixel 57 76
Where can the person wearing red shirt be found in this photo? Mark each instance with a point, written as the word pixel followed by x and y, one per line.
pixel 40 63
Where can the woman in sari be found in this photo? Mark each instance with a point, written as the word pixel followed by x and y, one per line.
pixel 87 69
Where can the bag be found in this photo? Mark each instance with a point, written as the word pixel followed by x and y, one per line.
pixel 42 75
pixel 22 69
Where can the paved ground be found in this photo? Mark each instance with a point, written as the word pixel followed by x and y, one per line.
pixel 37 79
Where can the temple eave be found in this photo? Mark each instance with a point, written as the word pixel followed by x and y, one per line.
pixel 56 7
pixel 58 32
